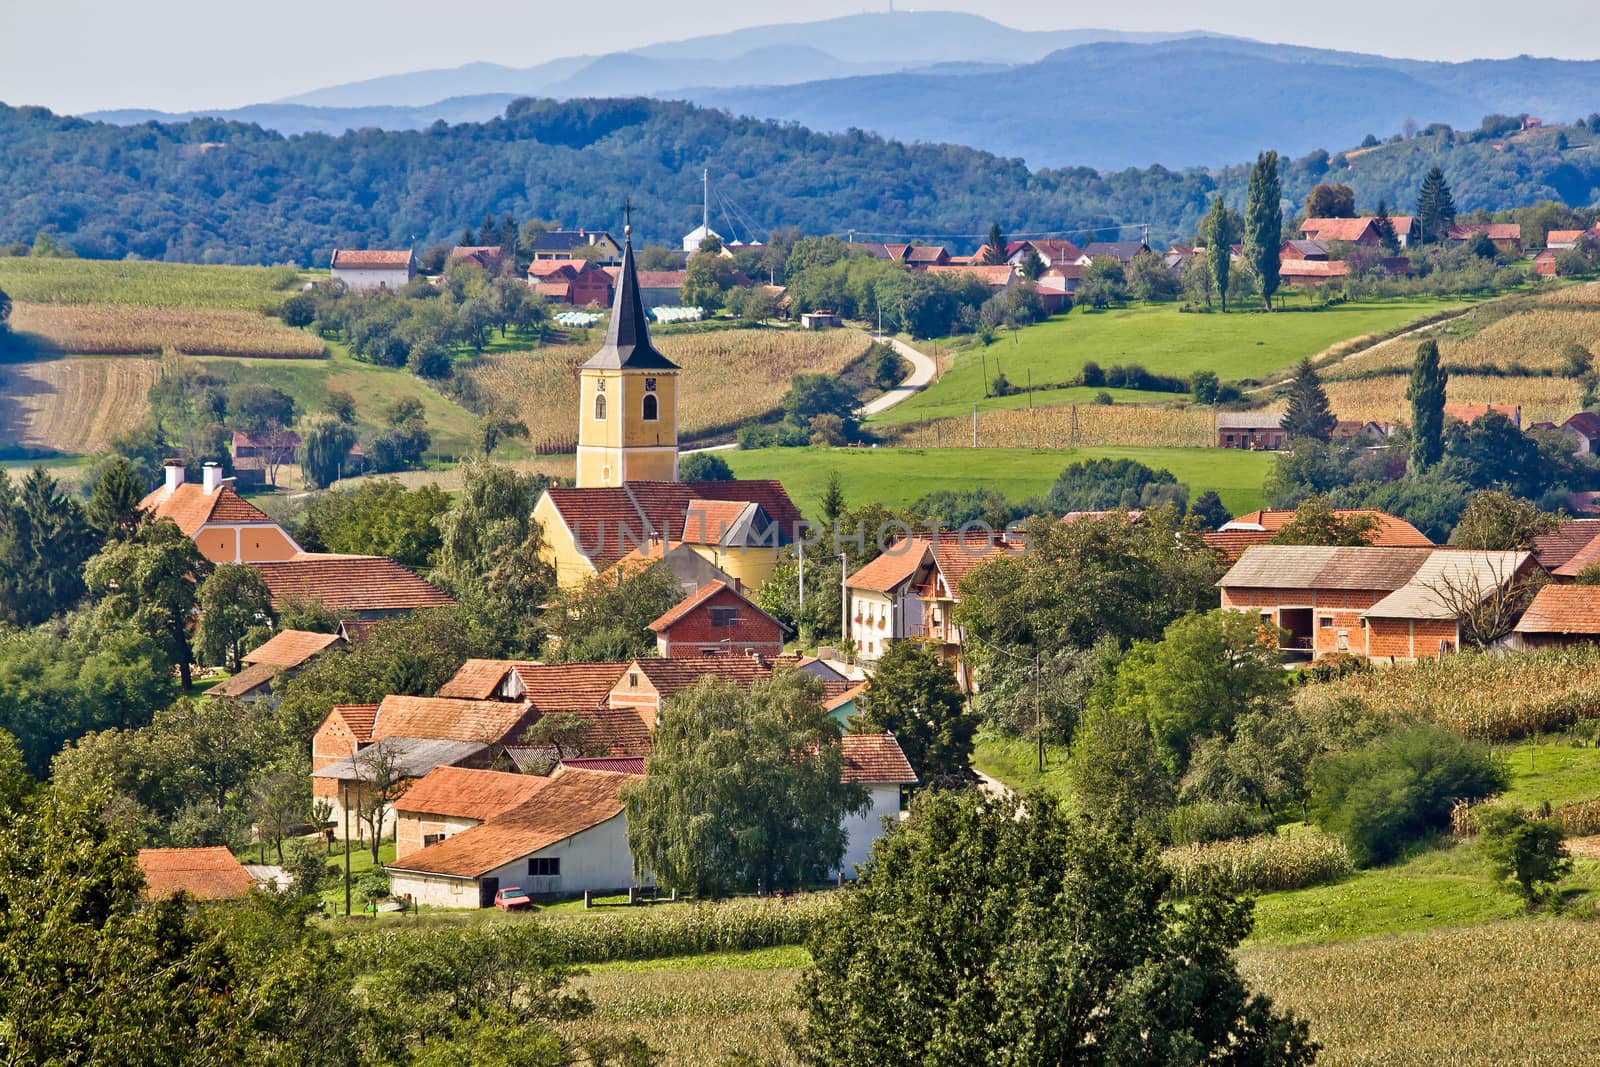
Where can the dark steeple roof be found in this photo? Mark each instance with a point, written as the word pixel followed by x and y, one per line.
pixel 628 344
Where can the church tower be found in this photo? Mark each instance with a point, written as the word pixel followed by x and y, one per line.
pixel 628 397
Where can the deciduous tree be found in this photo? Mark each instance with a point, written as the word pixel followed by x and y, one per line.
pixel 233 601
pixel 913 694
pixel 150 581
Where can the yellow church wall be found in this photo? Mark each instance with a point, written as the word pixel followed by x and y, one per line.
pixel 572 567
pixel 752 566
pixel 624 445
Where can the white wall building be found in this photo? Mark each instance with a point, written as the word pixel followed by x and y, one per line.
pixel 374 268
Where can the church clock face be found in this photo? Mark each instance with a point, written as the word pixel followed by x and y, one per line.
pixel 649 385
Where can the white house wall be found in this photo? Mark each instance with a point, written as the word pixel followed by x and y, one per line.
pixel 391 278
pixel 864 829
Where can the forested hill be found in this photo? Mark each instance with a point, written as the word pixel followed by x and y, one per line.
pixel 211 191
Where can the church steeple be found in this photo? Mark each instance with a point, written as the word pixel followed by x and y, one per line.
pixel 628 344
pixel 628 410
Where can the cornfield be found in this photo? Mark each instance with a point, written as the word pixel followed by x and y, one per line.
pixel 688 929
pixel 1064 426
pixel 1576 820
pixel 1258 864
pixel 73 405
pixel 113 330
pixel 1542 399
pixel 1529 342
pixel 729 377
pixel 145 284
pixel 1512 993
pixel 1496 698
pixel 1586 295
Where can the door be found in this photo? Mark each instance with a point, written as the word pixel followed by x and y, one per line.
pixel 487 888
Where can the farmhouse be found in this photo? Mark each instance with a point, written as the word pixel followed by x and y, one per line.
pixel 1561 240
pixel 577 244
pixel 224 526
pixel 448 800
pixel 569 836
pixel 1561 616
pixel 717 620
pixel 1470 413
pixel 359 269
pixel 283 654
pixel 570 281
pixel 199 873
pixel 1358 231
pixel 1253 430
pixel 1121 251
pixel 996 277
pixel 1260 527
pixel 876 762
pixel 1583 430
pixel 1393 604
pixel 491 258
pixel 364 587
pixel 1507 236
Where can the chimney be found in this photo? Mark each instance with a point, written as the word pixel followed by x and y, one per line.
pixel 173 469
pixel 211 476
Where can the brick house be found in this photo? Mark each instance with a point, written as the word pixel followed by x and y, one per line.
pixel 1377 603
pixel 717 619
pixel 1260 527
pixel 1358 231
pixel 1252 430
pixel 448 800
pixel 570 281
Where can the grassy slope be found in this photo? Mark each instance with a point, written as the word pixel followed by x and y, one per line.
pixel 1162 340
pixel 1015 762
pixel 899 476
pixel 1560 774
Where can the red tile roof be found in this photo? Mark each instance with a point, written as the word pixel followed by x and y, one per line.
pixel 279 439
pixel 608 523
pixel 994 276
pixel 248 680
pixel 1563 609
pixel 844 695
pixel 354 583
pixel 203 873
pixel 1240 533
pixel 445 719
pixel 370 259
pixel 1474 412
pixel 476 679
pixel 1555 548
pixel 958 556
pixel 191 507
pixel 898 564
pixel 1586 423
pixel 291 648
pixel 1351 230
pixel 568 686
pixel 616 732
pixel 672 676
pixel 875 758
pixel 1313 268
pixel 614 764
pixel 1496 231
pixel 570 801
pixel 359 718
pixel 461 792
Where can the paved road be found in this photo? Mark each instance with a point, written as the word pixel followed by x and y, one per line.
pixel 922 372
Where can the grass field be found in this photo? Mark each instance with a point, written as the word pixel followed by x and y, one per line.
pixel 147 284
pixel 899 476
pixel 1559 774
pixel 1245 345
pixel 1015 762
pixel 729 377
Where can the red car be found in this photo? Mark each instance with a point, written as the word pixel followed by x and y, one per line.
pixel 512 897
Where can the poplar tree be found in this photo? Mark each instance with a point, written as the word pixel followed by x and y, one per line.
pixel 1426 394
pixel 1219 230
pixel 1436 209
pixel 1263 223
pixel 1383 225
pixel 1308 415
pixel 996 247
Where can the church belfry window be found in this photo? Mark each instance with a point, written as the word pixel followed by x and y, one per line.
pixel 651 407
pixel 600 406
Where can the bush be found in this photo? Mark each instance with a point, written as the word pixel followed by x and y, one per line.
pixel 1091 375
pixel 1258 864
pixel 1205 821
pixel 1400 788
pixel 704 467
pixel 1528 850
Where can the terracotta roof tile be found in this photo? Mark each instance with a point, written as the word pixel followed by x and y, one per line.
pixel 461 792
pixel 1563 609
pixel 571 801
pixel 370 259
pixel 246 681
pixel 620 732
pixel 608 523
pixel 614 764
pixel 1260 527
pixel 838 694
pixel 1556 548
pixel 360 718
pixel 354 583
pixel 672 676
pixel 445 719
pixel 897 564
pixel 875 758
pixel 1496 231
pixel 989 274
pixel 958 556
pixel 291 648
pixel 568 686
pixel 476 679
pixel 191 507
pixel 203 873
pixel 1473 412
pixel 1320 567
pixel 1339 229
pixel 1313 268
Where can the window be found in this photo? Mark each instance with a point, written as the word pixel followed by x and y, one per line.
pixel 633 679
pixel 431 839
pixel 600 407
pixel 723 617
pixel 544 867
pixel 1325 622
pixel 652 407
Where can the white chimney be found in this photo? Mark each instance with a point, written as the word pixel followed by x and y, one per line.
pixel 174 472
pixel 212 478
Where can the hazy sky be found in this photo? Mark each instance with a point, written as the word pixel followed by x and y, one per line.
pixel 80 55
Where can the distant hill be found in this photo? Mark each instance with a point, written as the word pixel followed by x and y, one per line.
pixel 218 192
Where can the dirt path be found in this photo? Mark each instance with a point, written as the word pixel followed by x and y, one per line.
pixel 1359 353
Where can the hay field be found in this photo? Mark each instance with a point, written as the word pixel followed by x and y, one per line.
pixel 729 377
pixel 145 284
pixel 1542 398
pixel 1097 426
pixel 121 330
pixel 73 405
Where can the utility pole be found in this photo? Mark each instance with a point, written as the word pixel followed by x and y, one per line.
pixel 1038 717
pixel 974 425
pixel 705 202
pixel 844 599
pixel 346 849
pixel 800 547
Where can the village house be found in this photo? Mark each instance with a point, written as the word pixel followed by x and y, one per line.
pixel 1390 604
pixel 362 587
pixel 1583 430
pixel 224 526
pixel 1544 264
pixel 1371 432
pixel 198 873
pixel 717 620
pixel 597 246
pixel 490 258
pixel 1260 527
pixel 570 281
pixel 1121 251
pixel 359 269
pixel 281 655
pixel 1507 236
pixel 688 568
pixel 1312 271
pixel 1470 413
pixel 1561 616
pixel 448 800
pixel 821 319
pixel 996 278
pixel 1358 231
pixel 1555 548
pixel 1561 240
pixel 876 762
pixel 569 836
pixel 1252 430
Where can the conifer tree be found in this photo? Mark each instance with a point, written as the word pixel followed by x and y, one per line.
pixel 1436 209
pixel 1426 394
pixel 996 253
pixel 1308 415
pixel 1383 225
pixel 1219 230
pixel 1263 223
